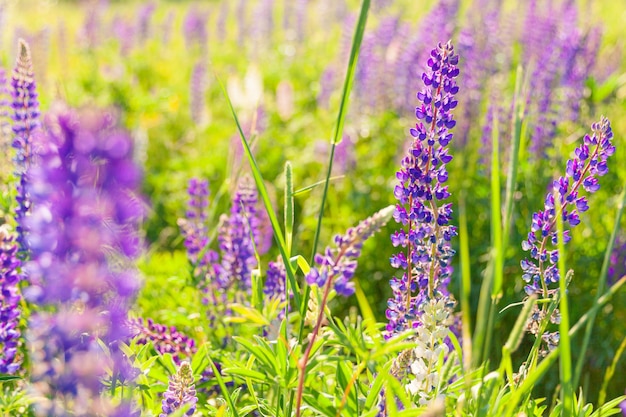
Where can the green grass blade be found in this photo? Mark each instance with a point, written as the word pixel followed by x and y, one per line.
pixel 610 372
pixel 364 305
pixel 516 122
pixel 549 360
pixel 492 283
pixel 289 216
pixel 496 211
pixel 565 363
pixel 260 184
pixel 466 283
pixel 343 110
pixel 600 286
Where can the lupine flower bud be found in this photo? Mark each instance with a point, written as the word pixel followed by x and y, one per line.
pixel 425 237
pixel 181 392
pixel 339 264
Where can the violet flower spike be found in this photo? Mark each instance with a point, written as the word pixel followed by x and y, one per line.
pixel 25 122
pixel 164 339
pixel 235 238
pixel 180 393
pixel 425 235
pixel 339 264
pixel 589 162
pixel 9 303
pixel 85 218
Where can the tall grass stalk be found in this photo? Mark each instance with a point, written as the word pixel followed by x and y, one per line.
pixel 491 288
pixel 565 363
pixel 466 283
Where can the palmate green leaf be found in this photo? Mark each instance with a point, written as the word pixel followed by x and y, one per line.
pixel 610 408
pixel 264 354
pixel 376 386
pixel 247 315
pixel 248 373
pixel 345 384
pixel 321 403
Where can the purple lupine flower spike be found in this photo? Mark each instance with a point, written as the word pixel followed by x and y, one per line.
pixel 235 239
pixel 425 237
pixel 541 270
pixel 9 303
pixel 194 226
pixel 180 393
pixel 589 162
pixel 276 283
pixel 25 123
pixel 198 87
pixel 339 264
pixel 164 339
pixel 144 17
pixel 83 240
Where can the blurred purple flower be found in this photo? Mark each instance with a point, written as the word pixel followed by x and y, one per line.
pixel 144 17
pixel 124 31
pixel 425 238
pixel 198 88
pixel 83 239
pixel 617 265
pixel 195 28
pixel 194 229
pixel 10 297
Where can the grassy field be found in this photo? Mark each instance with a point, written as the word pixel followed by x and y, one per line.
pixel 532 79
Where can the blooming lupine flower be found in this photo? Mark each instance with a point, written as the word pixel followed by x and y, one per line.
pixel 541 270
pixel 144 16
pixel 439 23
pixel 180 393
pixel 236 238
pixel 164 339
pixel 198 87
pixel 558 68
pixel 9 303
pixel 276 282
pixel 83 237
pixel 425 237
pixel 195 231
pixel 617 265
pixel 25 123
pixel 589 162
pixel 339 264
pixel 194 28
pixel 124 31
